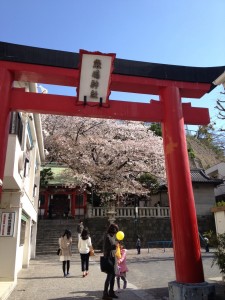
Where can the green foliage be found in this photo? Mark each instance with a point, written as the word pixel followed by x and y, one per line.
pixel 156 128
pixel 205 155
pixel 191 153
pixel 149 181
pixel 219 254
pixel 46 174
pixel 208 136
pixel 220 203
pixel 205 132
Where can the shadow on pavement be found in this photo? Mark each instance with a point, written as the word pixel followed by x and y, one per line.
pixel 157 293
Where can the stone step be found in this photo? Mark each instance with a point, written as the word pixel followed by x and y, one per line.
pixel 48 233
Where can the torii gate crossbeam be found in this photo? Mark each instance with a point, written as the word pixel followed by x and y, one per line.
pixel 171 83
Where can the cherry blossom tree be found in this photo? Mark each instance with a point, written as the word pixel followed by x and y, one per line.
pixel 110 156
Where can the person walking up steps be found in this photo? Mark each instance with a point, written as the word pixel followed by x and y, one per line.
pixel 65 243
pixel 80 227
pixel 84 245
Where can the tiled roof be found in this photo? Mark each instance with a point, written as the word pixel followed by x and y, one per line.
pixel 198 175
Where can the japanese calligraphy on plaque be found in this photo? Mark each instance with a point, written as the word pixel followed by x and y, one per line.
pixel 95 76
pixel 7 224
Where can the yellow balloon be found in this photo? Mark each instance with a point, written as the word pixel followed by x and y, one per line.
pixel 120 235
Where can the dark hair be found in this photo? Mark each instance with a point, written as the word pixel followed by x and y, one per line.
pixel 67 233
pixel 121 243
pixel 113 228
pixel 84 234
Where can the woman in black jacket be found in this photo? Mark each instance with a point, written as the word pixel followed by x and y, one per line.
pixel 109 249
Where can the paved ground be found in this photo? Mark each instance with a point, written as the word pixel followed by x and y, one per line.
pixel 149 274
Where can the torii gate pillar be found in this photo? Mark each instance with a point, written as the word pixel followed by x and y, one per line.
pixel 187 253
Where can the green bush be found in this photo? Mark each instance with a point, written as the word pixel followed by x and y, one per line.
pixel 191 153
pixel 219 258
pixel 220 203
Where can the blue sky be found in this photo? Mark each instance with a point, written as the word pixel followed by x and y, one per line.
pixel 175 32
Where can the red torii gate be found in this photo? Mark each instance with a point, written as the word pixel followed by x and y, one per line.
pixel 31 64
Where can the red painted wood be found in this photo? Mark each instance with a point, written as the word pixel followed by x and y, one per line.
pixel 142 85
pixel 42 74
pixel 122 83
pixel 66 105
pixel 5 88
pixel 195 115
pixel 188 263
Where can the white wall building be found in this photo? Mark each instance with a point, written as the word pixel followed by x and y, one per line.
pixel 19 203
pixel 218 171
pixel 203 189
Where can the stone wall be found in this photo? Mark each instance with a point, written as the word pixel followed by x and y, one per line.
pixel 149 229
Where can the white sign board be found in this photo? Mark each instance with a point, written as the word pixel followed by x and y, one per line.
pixel 7 224
pixel 95 77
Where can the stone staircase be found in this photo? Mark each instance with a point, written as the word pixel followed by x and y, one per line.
pixel 49 231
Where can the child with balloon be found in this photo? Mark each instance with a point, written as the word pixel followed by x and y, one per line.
pixel 121 261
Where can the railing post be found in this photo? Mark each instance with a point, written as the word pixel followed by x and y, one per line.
pixel 128 212
pixel 158 211
pixel 90 211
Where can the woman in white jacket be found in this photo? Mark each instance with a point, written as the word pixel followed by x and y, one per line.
pixel 84 245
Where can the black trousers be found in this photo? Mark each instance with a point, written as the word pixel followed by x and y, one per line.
pixel 84 261
pixel 109 283
pixel 66 265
